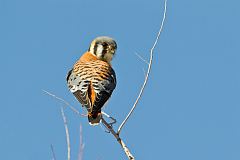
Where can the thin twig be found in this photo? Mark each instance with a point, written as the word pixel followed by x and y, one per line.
pixel 65 102
pixel 81 144
pixel 120 141
pixel 53 153
pixel 141 58
pixel 144 60
pixel 67 134
pixel 148 71
pixel 144 72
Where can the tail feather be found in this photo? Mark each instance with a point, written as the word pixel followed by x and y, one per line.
pixel 94 118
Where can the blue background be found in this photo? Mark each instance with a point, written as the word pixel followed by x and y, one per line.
pixel 191 106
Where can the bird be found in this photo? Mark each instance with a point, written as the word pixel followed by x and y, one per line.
pixel 92 78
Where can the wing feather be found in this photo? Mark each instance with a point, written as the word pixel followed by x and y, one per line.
pixel 92 84
pixel 104 90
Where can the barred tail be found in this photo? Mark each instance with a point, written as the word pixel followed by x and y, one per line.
pixel 94 118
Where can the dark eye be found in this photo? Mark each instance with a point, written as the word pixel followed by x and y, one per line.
pixel 104 44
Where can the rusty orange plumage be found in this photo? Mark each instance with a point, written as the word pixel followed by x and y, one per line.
pixel 92 79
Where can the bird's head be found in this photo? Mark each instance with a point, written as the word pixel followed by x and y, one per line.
pixel 103 48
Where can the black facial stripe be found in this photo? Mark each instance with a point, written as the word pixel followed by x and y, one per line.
pixel 104 51
pixel 95 49
pixel 104 44
pixel 105 48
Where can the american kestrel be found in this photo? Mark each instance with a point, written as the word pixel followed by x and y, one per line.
pixel 92 79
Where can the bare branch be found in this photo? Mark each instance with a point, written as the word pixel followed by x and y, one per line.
pixel 53 153
pixel 120 141
pixel 67 134
pixel 81 144
pixel 148 70
pixel 65 102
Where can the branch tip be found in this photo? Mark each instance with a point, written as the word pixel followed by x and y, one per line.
pixel 148 70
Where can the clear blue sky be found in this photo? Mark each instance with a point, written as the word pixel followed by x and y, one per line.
pixel 191 107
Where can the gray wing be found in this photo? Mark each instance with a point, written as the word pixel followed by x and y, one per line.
pixel 79 88
pixel 104 89
pixel 102 80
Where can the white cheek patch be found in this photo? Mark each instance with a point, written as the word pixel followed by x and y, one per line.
pixel 99 51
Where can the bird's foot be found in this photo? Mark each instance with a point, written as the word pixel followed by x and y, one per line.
pixel 112 121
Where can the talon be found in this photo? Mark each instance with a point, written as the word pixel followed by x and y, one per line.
pixel 112 120
pixel 107 131
pixel 106 128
